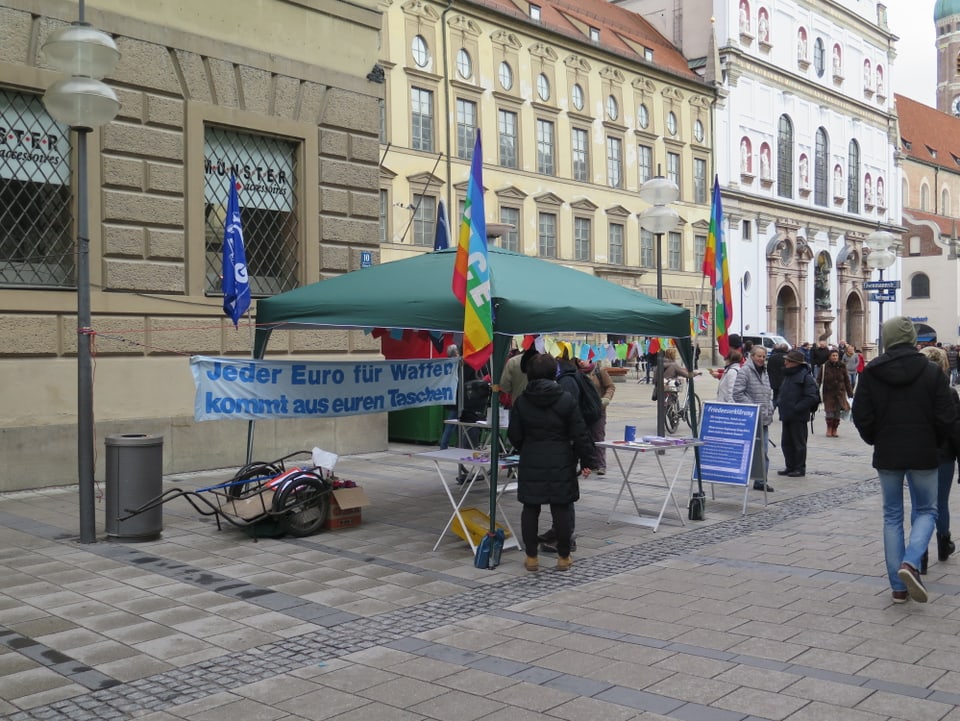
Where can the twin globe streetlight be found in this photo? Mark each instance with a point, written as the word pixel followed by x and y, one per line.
pixel 83 102
pixel 659 218
pixel 880 258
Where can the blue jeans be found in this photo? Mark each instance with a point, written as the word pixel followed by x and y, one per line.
pixel 448 430
pixel 922 485
pixel 944 482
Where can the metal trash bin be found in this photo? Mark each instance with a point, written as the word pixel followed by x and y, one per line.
pixel 134 476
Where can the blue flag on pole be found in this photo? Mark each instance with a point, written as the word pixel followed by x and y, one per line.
pixel 236 283
pixel 441 240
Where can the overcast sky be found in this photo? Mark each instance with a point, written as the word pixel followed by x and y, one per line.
pixel 916 64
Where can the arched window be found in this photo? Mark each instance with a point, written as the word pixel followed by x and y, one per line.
pixel 821 171
pixel 785 158
pixel 920 286
pixel 944 202
pixel 958 62
pixel 819 56
pixel 924 197
pixel 853 177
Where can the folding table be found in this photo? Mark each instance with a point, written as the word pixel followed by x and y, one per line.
pixel 662 482
pixel 450 459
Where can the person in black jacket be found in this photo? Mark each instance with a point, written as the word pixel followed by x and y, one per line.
pixel 798 398
pixel 775 368
pixel 548 431
pixel 903 408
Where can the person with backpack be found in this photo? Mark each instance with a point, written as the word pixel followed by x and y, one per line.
pixel 798 398
pixel 604 389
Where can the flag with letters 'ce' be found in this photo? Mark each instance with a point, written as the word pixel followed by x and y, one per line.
pixel 715 267
pixel 471 270
pixel 236 283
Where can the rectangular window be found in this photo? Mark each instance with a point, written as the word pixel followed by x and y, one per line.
pixel 581 155
pixel 673 168
pixel 581 239
pixel 511 239
pixel 547 235
pixel 384 215
pixel 535 12
pixel 545 152
pixel 699 180
pixel 507 129
pixel 421 119
pixel 36 226
pixel 383 121
pixel 675 253
pixel 615 243
pixel 645 162
pixel 647 257
pixel 425 220
pixel 266 170
pixel 699 250
pixel 466 128
pixel 746 230
pixel 615 162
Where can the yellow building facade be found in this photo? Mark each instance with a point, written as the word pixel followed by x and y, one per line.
pixel 576 108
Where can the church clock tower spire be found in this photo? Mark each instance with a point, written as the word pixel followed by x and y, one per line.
pixel 946 16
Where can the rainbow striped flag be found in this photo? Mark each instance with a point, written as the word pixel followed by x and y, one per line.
pixel 471 270
pixel 715 267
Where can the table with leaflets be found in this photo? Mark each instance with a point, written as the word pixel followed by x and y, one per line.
pixel 627 453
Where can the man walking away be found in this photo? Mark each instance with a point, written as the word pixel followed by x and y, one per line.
pixel 903 408
pixel 798 398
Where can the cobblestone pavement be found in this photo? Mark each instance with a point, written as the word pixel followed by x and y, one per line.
pixel 780 613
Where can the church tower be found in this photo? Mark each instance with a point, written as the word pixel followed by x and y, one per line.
pixel 946 16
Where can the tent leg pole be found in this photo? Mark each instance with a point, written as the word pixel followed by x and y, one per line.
pixel 250 427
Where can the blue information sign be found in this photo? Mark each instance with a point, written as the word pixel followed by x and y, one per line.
pixel 728 431
pixel 366 258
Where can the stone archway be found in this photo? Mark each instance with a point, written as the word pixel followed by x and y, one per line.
pixel 788 315
pixel 854 318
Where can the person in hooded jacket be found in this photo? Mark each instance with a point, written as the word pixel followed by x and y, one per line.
pixel 798 397
pixel 903 408
pixel 729 377
pixel 548 431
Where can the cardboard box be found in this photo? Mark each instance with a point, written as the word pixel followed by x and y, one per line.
pixel 345 508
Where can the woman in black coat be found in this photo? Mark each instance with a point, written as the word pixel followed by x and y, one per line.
pixel 548 431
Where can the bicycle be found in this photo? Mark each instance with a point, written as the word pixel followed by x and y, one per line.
pixel 676 401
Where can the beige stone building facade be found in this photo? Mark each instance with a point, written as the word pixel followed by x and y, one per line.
pixel 277 89
pixel 577 107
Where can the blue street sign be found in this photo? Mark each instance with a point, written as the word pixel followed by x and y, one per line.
pixel 883 296
pixel 366 258
pixel 881 285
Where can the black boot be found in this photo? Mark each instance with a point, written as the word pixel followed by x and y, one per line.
pixel 944 546
pixel 924 560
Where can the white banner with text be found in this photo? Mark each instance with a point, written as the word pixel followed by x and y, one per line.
pixel 260 389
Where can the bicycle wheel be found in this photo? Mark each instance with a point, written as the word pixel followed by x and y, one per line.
pixel 671 414
pixel 305 501
pixel 686 412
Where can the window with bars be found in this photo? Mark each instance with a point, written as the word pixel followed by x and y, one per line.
pixel 645 162
pixel 581 239
pixel 36 227
pixel 699 250
pixel 266 173
pixel 424 220
pixel 853 177
pixel 511 239
pixel 675 252
pixel 699 180
pixel 673 168
pixel 421 119
pixel 614 162
pixel 507 129
pixel 647 258
pixel 785 158
pixel 581 155
pixel 547 235
pixel 545 147
pixel 466 128
pixel 820 170
pixel 615 243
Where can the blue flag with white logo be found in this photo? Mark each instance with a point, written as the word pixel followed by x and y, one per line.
pixel 441 239
pixel 236 283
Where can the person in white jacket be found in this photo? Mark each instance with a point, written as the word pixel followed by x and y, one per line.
pixel 729 377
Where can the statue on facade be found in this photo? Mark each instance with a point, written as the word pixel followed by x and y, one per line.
pixel 821 285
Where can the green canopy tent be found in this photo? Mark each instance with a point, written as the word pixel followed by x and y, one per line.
pixel 530 296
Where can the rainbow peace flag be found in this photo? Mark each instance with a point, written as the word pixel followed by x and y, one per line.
pixel 471 270
pixel 715 267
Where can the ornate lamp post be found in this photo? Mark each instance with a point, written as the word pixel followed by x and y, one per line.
pixel 659 218
pixel 83 102
pixel 880 258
